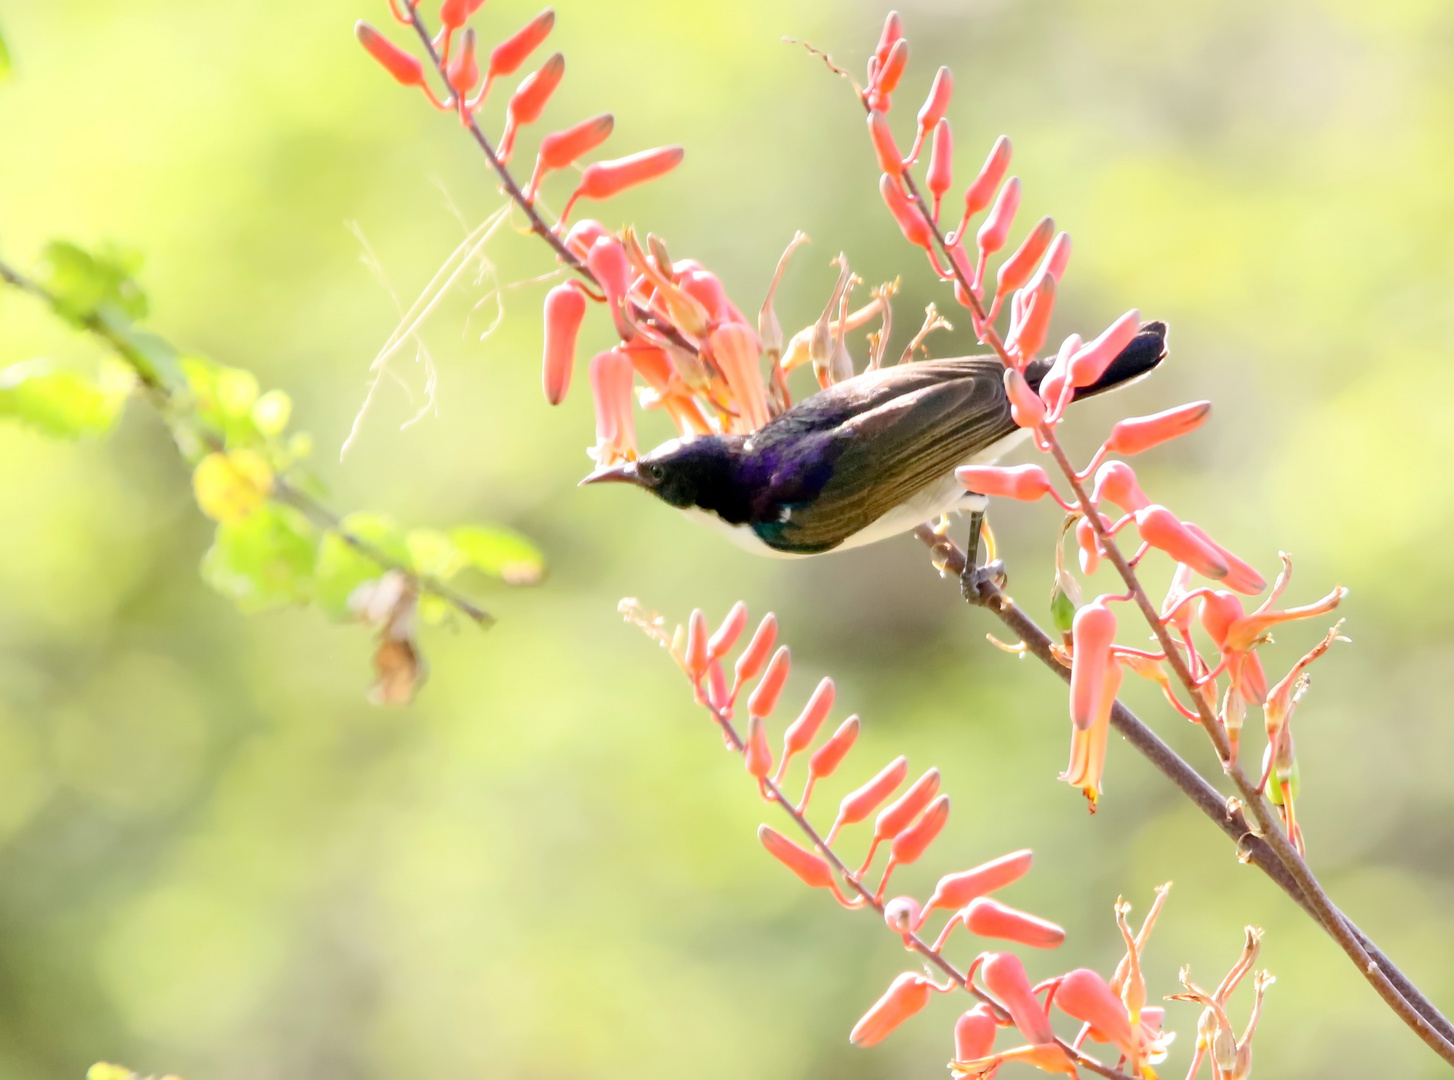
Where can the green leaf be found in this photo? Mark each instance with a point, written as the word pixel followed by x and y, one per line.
pixel 434 554
pixel 86 285
pixel 61 402
pixel 265 560
pixel 342 568
pixel 500 552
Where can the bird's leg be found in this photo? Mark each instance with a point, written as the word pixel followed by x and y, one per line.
pixel 976 581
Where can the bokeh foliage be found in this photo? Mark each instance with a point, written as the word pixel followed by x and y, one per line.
pixel 219 862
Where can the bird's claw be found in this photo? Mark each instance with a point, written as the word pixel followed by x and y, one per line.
pixel 978 583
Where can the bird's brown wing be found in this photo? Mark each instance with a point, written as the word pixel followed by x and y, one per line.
pixel 901 442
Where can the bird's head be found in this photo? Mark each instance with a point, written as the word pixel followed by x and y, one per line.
pixel 682 472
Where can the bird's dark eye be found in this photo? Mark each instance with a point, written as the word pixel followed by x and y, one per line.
pixel 656 472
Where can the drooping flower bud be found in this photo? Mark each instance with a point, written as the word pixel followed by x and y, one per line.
pixel 1058 256
pixel 1004 977
pixel 1241 577
pixel 758 650
pixel 1026 408
pixel 463 70
pixel 889 159
pixel 453 13
pixel 911 223
pixel 608 264
pixel 1138 433
pixel 727 634
pixel 583 236
pixel 1088 745
pixel 811 869
pixel 1028 334
pixel 764 698
pixel 958 890
pixel 607 178
pixel 906 995
pixel 757 757
pixel 1088 544
pixel 830 755
pixel 989 918
pixel 941 163
pixel 858 804
pixel 974 1034
pixel 1027 483
pixel 802 731
pixel 892 34
pixel 1091 361
pixel 979 193
pixel 611 377
pixel 717 693
pixel 1160 528
pixel 1053 384
pixel 529 100
pixel 1116 481
pixel 1084 995
pixel 696 655
pixel 1015 271
pixel 936 104
pixel 897 816
pixel 913 841
pixel 565 307
pixel 734 348
pixel 1092 634
pixel 506 57
pixel 560 149
pixel 406 69
pixel 996 228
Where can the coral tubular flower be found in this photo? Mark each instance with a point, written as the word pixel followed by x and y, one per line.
pixel 979 193
pixel 897 816
pixel 697 657
pixel 1140 433
pixel 463 70
pixel 611 377
pixel 905 996
pixel 453 13
pixel 605 179
pixel 957 890
pixel 727 634
pixel 1015 271
pixel 608 265
pixel 996 228
pixel 565 307
pixel 1241 577
pixel 857 805
pixel 811 870
pixel 974 1033
pixel 529 101
pixel 506 57
pixel 1026 408
pixel 892 34
pixel 1004 976
pixel 915 840
pixel 941 164
pixel 756 757
pixel 560 149
pixel 763 699
pixel 1092 635
pixel 1088 745
pixel 1028 334
pixel 734 348
pixel 934 108
pixel 1084 995
pixel 1028 483
pixel 987 917
pixel 759 648
pixel 583 236
pixel 830 755
pixel 1160 528
pixel 802 731
pixel 911 223
pixel 1091 361
pixel 891 71
pixel 1116 481
pixel 406 69
pixel 1058 257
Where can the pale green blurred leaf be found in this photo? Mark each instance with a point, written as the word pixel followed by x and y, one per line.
pixel 61 402
pixel 342 568
pixel 85 284
pixel 500 552
pixel 264 560
pixel 433 553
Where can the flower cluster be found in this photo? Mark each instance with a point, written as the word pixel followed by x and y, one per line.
pixel 905 821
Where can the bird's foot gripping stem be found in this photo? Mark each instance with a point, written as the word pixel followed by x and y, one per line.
pixel 979 583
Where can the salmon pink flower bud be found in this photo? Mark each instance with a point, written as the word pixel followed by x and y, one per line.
pixel 811 870
pixel 1026 408
pixel 893 33
pixel 1028 334
pixel 734 348
pixel 583 235
pixel 1116 481
pixel 758 650
pixel 996 228
pixel 974 1034
pixel 696 656
pixel 706 288
pixel 1058 256
pixel 892 70
pixel 404 68
pixel 989 918
pixel 611 377
pixel 802 731
pixel 757 758
pixel 1160 528
pixel 830 755
pixel 1088 745
pixel 727 634
pixel 912 842
pixel 897 816
pixel 858 804
pixel 1053 384
pixel 941 163
pixel 958 890
pixel 906 995
pixel 561 148
pixel 763 700
pixel 1089 544
pixel 1084 995
pixel 1004 976
pixel 889 159
pixel 463 70
pixel 1024 482
pixel 979 194
pixel 453 13
pixel 1219 611
pixel 717 687
pixel 529 100
pixel 608 264
pixel 1015 271
pixel 607 178
pixel 1091 635
pixel 1138 433
pixel 901 914
pixel 1252 680
pixel 565 307
pixel 911 223
pixel 1091 361
pixel 506 57
pixel 936 104
pixel 1241 577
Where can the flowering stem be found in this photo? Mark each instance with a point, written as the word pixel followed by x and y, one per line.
pixel 866 898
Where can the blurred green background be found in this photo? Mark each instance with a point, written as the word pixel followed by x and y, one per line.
pixel 217 860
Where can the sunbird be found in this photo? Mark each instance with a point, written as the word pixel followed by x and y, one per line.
pixel 865 459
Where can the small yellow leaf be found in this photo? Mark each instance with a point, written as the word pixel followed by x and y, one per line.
pixel 230 486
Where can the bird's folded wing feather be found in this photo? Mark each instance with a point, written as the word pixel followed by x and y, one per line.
pixel 888 453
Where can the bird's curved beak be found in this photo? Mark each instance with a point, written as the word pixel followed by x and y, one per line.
pixel 624 473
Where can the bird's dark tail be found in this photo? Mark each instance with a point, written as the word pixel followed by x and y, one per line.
pixel 1147 349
